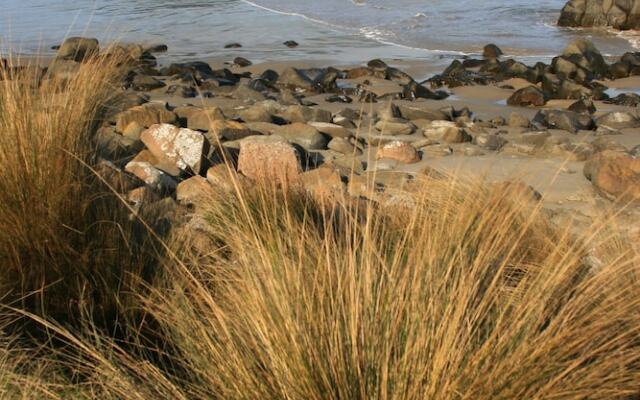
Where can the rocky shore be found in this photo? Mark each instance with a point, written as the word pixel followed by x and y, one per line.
pixel 568 132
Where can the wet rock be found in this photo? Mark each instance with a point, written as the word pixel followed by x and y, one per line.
pixel 304 135
pixel 269 159
pixel 414 90
pixel 145 115
pixel 528 96
pixel 78 49
pixel 492 52
pixel 615 175
pixel 242 62
pixel 377 64
pixel 296 79
pixel 291 44
pixel 177 150
pixel 619 70
pixel 584 54
pixel 619 14
pixel 399 151
pixel 625 99
pixel 618 120
pixel 338 98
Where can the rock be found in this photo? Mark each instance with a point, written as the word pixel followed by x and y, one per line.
pixel 635 152
pixel 395 127
pixel 619 14
pixel 618 120
pixel 194 190
pixel 78 49
pixel 229 130
pixel 414 90
pixel 343 146
pixel 489 141
pixel 330 129
pixel 201 119
pixel 377 64
pixel 619 70
pixel 606 131
pixel 323 182
pixel 115 178
pixel 232 46
pixel 242 62
pixel 528 96
pixel 402 152
pixel 517 120
pixel 291 44
pixel 412 113
pixel 625 99
pixel 269 159
pixel 145 83
pixel 583 106
pixel 304 135
pixel 437 150
pixel 293 78
pixel 248 94
pixel 584 54
pixel 256 113
pixel 306 114
pixel 389 112
pixel 133 130
pixel 565 120
pixel 145 115
pixel 176 149
pixel 338 98
pixel 62 69
pixel 447 132
pixel 491 52
pixel 615 175
pixel 153 177
pixel 566 149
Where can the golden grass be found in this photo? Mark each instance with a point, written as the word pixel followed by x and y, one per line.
pixel 66 245
pixel 450 290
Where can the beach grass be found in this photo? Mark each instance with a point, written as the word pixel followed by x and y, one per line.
pixel 447 289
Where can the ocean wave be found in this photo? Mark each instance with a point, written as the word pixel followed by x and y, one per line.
pixel 293 14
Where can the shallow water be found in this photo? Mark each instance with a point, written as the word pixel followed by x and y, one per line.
pixel 343 31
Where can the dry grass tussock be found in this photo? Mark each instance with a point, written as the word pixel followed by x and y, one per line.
pixel 66 245
pixel 469 294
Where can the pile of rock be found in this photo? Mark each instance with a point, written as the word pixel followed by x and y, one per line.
pixel 619 14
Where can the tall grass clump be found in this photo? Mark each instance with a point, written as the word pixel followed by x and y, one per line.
pixel 66 245
pixel 461 291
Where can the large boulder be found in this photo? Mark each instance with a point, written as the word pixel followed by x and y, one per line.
pixel 176 149
pixel 619 14
pixel 584 54
pixel 78 49
pixel 270 159
pixel 615 175
pixel 565 120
